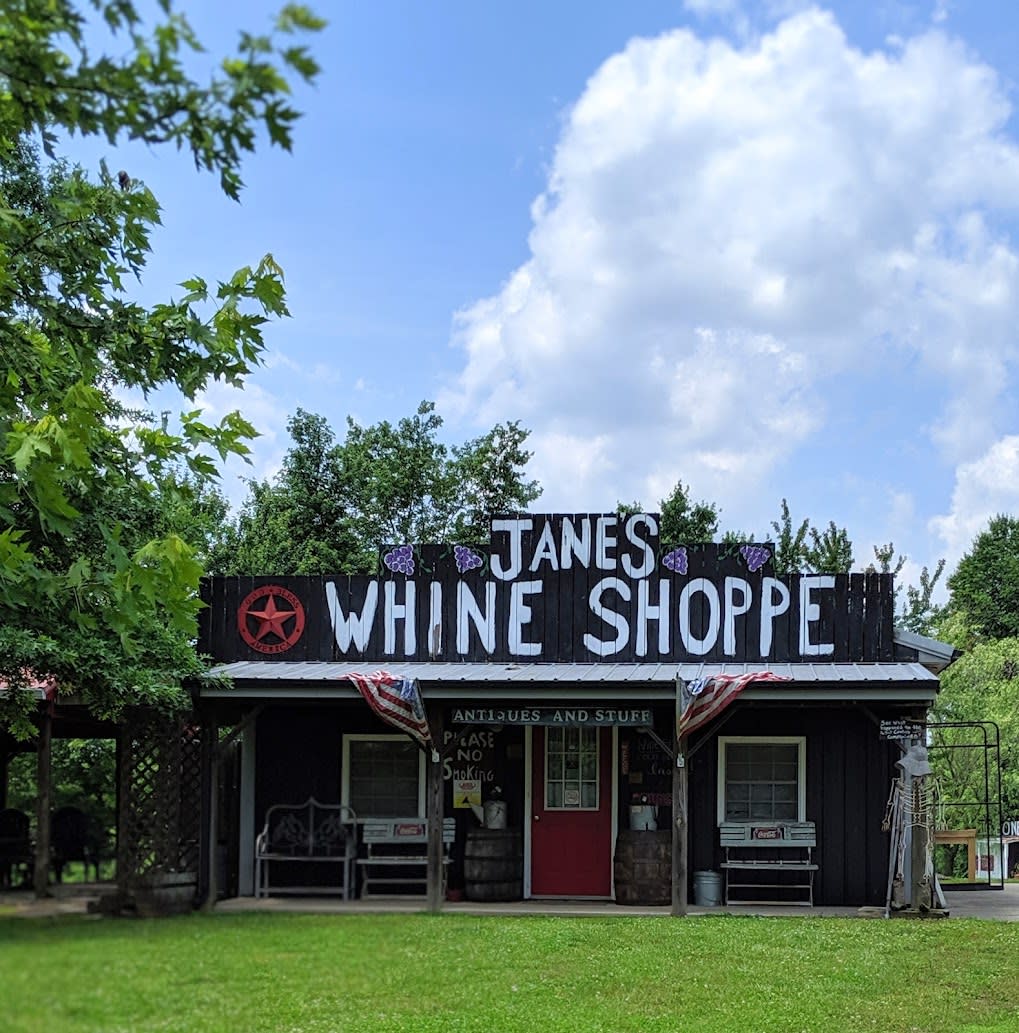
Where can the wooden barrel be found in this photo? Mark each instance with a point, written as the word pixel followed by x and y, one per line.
pixel 494 864
pixel 643 867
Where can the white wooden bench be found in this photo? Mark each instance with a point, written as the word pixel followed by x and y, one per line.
pixel 310 832
pixel 790 866
pixel 396 853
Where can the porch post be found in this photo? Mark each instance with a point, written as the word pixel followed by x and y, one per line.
pixel 210 836
pixel 43 804
pixel 679 812
pixel 434 812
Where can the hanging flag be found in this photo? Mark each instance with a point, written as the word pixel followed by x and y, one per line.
pixel 396 700
pixel 705 698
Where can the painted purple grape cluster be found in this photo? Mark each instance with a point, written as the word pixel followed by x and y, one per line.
pixel 466 559
pixel 755 555
pixel 400 559
pixel 676 560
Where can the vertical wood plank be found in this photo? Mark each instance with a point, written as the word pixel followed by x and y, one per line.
pixel 857 593
pixel 886 620
pixel 841 618
pixel 871 617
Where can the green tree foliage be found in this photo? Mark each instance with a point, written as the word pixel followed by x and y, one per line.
pixel 983 685
pixel 918 613
pixel 88 594
pixel 830 551
pixel 334 503
pixel 985 585
pixel 790 542
pixel 83 773
pixel 685 522
pixel 803 548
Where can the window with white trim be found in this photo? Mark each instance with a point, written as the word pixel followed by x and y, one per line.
pixel 383 776
pixel 761 779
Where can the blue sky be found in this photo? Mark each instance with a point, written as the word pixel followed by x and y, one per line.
pixel 769 249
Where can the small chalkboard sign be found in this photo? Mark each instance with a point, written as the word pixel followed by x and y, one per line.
pixel 902 730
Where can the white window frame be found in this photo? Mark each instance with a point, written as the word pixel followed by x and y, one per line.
pixel 597 774
pixel 351 737
pixel 765 740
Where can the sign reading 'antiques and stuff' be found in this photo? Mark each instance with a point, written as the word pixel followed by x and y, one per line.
pixel 570 716
pixel 561 589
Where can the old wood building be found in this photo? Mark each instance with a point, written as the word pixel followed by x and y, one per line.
pixel 548 664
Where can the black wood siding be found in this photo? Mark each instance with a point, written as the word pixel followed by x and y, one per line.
pixel 848 770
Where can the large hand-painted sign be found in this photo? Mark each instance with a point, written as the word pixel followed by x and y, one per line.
pixel 558 588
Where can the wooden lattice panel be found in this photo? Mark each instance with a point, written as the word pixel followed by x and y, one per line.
pixel 160 798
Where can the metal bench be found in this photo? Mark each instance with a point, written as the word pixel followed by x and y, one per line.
pixel 396 852
pixel 790 865
pixel 311 832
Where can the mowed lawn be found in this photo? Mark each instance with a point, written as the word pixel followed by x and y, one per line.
pixel 455 972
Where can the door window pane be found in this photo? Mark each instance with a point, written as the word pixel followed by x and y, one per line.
pixel 571 769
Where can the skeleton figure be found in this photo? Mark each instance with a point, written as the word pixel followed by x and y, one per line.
pixel 911 805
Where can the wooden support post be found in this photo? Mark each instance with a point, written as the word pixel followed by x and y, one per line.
pixel 43 805
pixel 434 811
pixel 680 824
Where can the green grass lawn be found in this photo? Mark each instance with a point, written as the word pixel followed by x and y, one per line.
pixel 456 972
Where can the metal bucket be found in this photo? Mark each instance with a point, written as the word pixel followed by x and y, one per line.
pixel 707 889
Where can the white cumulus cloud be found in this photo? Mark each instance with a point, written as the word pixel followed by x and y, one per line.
pixel 733 238
pixel 985 487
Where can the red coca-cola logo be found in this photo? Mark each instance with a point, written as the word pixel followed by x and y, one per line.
pixel 270 619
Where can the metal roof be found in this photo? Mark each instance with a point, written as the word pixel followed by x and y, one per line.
pixel 904 681
pixel 931 652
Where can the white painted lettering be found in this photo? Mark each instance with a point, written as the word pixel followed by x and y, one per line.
pixel 774 602
pixel 734 609
pixel 810 613
pixel 353 628
pixel 576 545
pixel 646 612
pixel 435 619
pixel 615 620
pixel 633 524
pixel 545 550
pixel 395 612
pixel 605 541
pixel 514 527
pixel 692 644
pixel 520 614
pixel 468 612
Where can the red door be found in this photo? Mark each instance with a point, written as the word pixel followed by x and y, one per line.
pixel 571 819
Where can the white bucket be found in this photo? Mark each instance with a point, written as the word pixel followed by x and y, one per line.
pixel 707 889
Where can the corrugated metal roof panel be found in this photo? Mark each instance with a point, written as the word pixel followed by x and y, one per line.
pixel 641 673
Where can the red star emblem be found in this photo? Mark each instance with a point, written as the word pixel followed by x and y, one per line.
pixel 272 620
pixel 274 628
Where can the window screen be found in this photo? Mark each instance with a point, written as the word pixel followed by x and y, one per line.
pixel 383 777
pixel 762 781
